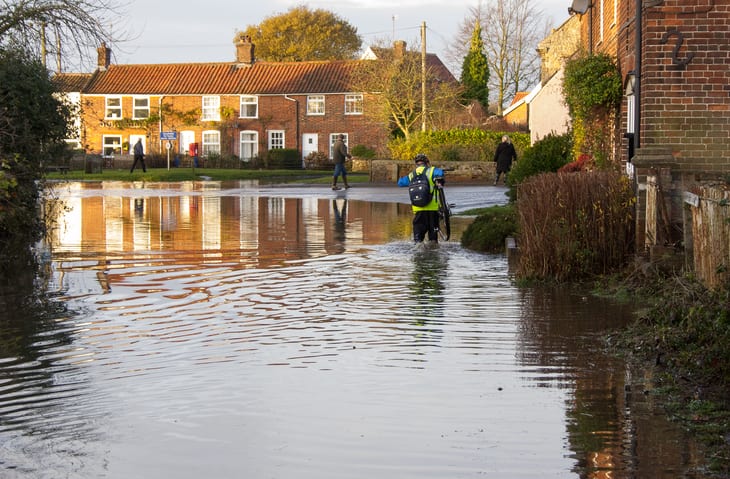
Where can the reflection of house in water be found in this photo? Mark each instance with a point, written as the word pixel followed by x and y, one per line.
pixel 249 230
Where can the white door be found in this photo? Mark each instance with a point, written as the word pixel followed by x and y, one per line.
pixel 310 143
pixel 184 139
pixel 133 141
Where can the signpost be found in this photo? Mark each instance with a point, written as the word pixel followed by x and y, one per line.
pixel 169 136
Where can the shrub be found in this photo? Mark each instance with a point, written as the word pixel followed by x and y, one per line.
pixel 464 144
pixel 545 156
pixel 362 151
pixel 490 229
pixel 317 160
pixel 574 225
pixel 283 158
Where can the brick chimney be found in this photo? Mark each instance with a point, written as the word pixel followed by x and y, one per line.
pixel 104 57
pixel 399 49
pixel 244 50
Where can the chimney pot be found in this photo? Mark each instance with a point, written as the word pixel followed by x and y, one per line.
pixel 104 57
pixel 244 50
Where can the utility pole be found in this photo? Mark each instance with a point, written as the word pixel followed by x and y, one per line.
pixel 423 76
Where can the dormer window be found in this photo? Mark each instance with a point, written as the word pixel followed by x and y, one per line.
pixel 113 110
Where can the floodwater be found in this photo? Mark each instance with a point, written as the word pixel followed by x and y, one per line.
pixel 241 330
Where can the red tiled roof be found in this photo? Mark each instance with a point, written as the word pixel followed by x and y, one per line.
pixel 224 78
pixel 70 82
pixel 519 96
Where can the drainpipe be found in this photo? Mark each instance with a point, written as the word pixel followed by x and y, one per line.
pixel 637 69
pixel 159 133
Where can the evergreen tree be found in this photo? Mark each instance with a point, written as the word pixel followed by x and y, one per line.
pixel 475 70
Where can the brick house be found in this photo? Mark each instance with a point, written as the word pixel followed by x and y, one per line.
pixel 238 109
pixel 673 128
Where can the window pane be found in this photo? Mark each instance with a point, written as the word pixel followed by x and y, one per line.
pixel 315 105
pixel 353 104
pixel 249 145
pixel 141 108
pixel 211 108
pixel 249 106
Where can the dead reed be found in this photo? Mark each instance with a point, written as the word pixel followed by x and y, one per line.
pixel 574 225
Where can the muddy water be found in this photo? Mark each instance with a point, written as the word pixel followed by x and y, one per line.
pixel 247 331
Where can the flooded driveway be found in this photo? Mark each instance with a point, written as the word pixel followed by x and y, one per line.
pixel 245 331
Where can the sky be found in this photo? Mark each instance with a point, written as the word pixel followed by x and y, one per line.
pixel 183 31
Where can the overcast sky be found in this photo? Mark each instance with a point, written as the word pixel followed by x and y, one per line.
pixel 183 31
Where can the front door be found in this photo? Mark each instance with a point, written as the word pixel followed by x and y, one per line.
pixel 309 144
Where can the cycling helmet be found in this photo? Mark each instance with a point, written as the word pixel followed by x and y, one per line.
pixel 421 158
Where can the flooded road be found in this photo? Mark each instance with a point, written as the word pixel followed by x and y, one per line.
pixel 245 331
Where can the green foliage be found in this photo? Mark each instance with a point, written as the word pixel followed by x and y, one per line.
pixel 591 83
pixel 574 225
pixel 545 156
pixel 475 70
pixel 302 34
pixel 489 231
pixel 362 151
pixel 459 143
pixel 33 124
pixel 284 158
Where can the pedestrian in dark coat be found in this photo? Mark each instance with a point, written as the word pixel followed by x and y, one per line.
pixel 503 157
pixel 138 156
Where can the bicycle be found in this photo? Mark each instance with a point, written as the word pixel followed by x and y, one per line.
pixel 444 214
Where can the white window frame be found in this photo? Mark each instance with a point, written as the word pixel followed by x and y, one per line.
pixel 211 108
pixel 249 145
pixel 111 145
pixel 354 104
pixel 277 139
pixel 602 22
pixel 140 107
pixel 249 106
pixel 211 143
pixel 333 139
pixel 315 105
pixel 113 108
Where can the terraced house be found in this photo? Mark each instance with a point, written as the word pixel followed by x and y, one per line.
pixel 241 109
pixel 674 124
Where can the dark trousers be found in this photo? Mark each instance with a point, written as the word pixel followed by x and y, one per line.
pixel 426 223
pixel 139 158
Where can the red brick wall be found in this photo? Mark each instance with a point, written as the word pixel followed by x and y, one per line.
pixel 686 82
pixel 275 113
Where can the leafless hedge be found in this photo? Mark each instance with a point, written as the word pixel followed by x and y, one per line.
pixel 573 225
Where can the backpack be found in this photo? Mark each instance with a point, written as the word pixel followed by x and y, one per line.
pixel 420 188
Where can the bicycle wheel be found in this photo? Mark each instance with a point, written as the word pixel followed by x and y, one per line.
pixel 444 216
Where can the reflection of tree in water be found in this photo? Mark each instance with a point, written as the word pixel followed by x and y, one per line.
pixel 427 281
pixel 561 333
pixel 34 339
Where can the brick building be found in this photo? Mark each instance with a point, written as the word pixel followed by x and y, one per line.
pixel 674 125
pixel 238 109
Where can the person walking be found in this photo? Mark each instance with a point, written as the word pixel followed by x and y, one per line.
pixel 138 156
pixel 339 155
pixel 504 155
pixel 424 203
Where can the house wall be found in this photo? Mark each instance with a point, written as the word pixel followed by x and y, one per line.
pixel 555 118
pixel 276 112
pixel 685 123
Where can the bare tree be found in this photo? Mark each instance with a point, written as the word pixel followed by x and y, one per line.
pixel 395 77
pixel 59 28
pixel 511 31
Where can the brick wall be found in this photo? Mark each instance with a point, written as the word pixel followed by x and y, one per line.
pixel 686 83
pixel 275 113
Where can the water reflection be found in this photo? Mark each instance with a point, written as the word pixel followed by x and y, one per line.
pixel 237 332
